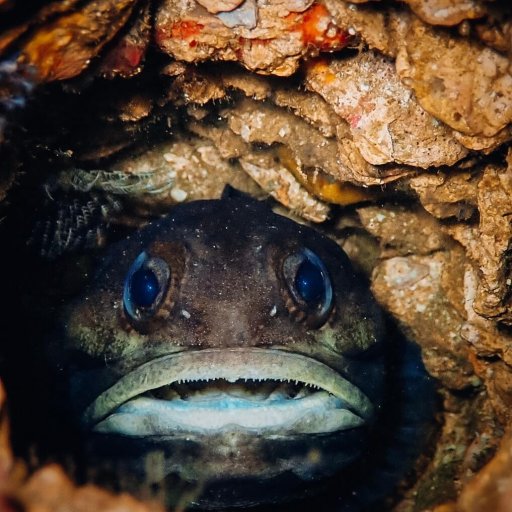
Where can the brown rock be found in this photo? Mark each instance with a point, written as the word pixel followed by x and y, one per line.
pixel 484 144
pixel 397 230
pixel 11 35
pixel 51 490
pixel 467 439
pixel 448 195
pixel 491 489
pixel 6 455
pixel 282 186
pixel 460 82
pixel 496 29
pixel 256 87
pixel 215 6
pixel 386 123
pixel 359 171
pixel 268 38
pixel 63 48
pixel 379 28
pixel 310 107
pixel 262 123
pixel 126 57
pixel 415 289
pixel 193 86
pixel 488 244
pixel 447 12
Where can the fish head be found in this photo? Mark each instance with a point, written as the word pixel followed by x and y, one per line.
pixel 238 344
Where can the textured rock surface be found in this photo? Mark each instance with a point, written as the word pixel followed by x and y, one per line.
pixel 466 85
pixel 268 37
pixel 447 12
pixel 385 121
pixel 63 48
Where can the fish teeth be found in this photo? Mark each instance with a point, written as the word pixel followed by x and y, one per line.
pixel 252 388
pixel 303 393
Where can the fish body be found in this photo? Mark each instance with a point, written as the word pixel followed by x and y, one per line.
pixel 233 346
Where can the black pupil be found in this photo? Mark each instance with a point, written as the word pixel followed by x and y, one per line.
pixel 144 287
pixel 309 283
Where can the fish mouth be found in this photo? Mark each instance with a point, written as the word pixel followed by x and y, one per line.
pixel 252 390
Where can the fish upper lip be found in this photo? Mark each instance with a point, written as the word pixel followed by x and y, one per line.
pixel 229 364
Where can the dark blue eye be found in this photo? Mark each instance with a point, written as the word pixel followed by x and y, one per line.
pixel 145 286
pixel 310 285
pixel 310 282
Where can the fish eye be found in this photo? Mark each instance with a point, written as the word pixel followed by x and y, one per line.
pixel 310 286
pixel 145 286
pixel 310 282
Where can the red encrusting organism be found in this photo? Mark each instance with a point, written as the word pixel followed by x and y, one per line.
pixel 320 30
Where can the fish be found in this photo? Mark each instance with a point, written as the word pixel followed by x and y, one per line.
pixel 231 347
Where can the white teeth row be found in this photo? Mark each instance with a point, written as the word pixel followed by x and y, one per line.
pixel 269 390
pixel 288 381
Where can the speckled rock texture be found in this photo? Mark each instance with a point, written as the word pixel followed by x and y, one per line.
pixel 388 124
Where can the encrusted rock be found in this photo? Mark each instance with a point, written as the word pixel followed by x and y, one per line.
pixel 51 490
pixel 425 279
pixel 378 28
pixel 488 245
pixel 491 489
pixel 262 123
pixel 63 48
pixel 459 81
pixel 496 29
pixel 168 173
pixel 447 12
pixel 448 195
pixel 266 37
pixel 282 186
pixel 215 6
pixel 386 123
pixel 126 57
pixel 413 282
pixel 467 439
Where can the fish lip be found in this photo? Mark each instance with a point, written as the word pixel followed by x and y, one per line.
pixel 229 364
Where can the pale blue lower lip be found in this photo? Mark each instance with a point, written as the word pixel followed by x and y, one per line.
pixel 315 414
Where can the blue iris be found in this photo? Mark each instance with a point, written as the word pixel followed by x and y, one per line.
pixel 145 285
pixel 310 282
pixel 144 288
pixel 310 285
